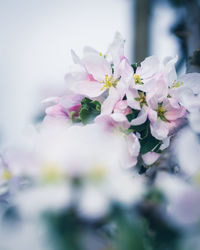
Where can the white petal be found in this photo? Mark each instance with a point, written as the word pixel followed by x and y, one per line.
pixel 131 95
pixel 165 143
pixel 116 49
pixel 170 69
pixel 191 81
pixel 93 203
pixel 142 116
pixel 108 104
pixel 87 88
pixel 75 57
pixel 89 50
pixel 159 129
pixel 149 67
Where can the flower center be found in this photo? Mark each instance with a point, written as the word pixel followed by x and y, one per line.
pixel 138 79
pixel 161 112
pixel 109 82
pixel 141 99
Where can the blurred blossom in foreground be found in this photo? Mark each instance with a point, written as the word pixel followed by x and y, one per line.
pixel 188 151
pixel 183 199
pixel 183 191
pixel 81 166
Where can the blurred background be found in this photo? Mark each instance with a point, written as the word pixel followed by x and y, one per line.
pixel 36 38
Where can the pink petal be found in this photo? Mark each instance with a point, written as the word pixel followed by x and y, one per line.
pixel 152 115
pixel 106 122
pixel 56 110
pixel 122 107
pixel 174 102
pixel 88 88
pixel 70 100
pixel 150 157
pixel 110 122
pixel 97 66
pixel 76 109
pixel 174 114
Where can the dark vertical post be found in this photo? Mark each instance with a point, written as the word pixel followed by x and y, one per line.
pixel 192 18
pixel 142 12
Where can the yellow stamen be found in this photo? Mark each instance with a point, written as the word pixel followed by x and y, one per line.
pixel 100 54
pixel 176 84
pixel 141 99
pixel 6 175
pixel 109 82
pixel 137 79
pixel 161 112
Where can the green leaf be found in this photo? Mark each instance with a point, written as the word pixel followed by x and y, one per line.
pixel 139 128
pixel 149 143
pixel 134 113
pixel 89 110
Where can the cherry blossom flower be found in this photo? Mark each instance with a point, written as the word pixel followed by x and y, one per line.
pixel 163 117
pixel 162 109
pixel 65 107
pixel 96 73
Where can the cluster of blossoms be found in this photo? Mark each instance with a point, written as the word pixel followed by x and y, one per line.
pixel 114 119
pixel 106 95
pixel 140 102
